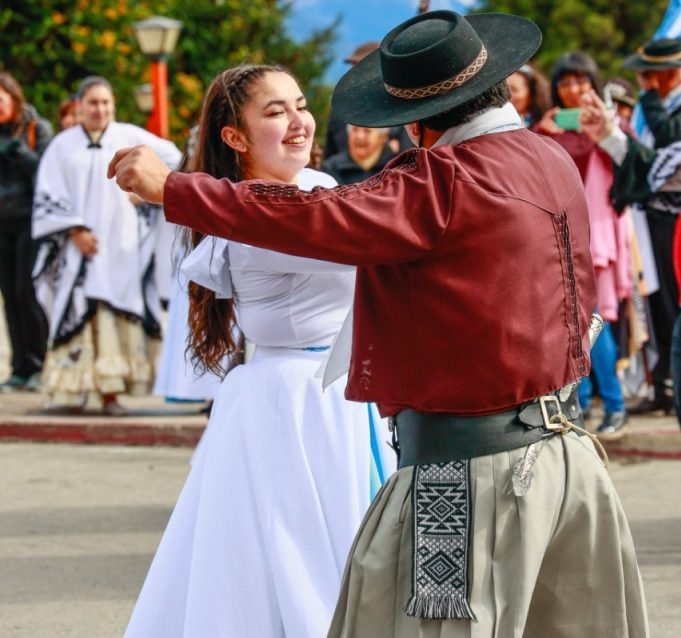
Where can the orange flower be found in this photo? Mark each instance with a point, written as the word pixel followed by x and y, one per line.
pixel 79 47
pixel 107 39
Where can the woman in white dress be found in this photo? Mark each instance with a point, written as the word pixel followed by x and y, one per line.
pixel 257 542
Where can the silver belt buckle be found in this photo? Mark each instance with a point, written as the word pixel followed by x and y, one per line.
pixel 550 407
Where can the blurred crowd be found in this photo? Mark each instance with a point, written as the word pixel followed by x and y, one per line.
pixel 86 270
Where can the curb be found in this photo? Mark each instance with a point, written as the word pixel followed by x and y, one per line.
pixel 643 441
pixel 661 442
pixel 184 432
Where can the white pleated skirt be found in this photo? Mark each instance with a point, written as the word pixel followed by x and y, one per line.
pixel 258 540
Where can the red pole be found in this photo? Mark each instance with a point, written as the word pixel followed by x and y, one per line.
pixel 158 122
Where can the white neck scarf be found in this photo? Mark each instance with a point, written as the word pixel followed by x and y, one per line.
pixel 496 120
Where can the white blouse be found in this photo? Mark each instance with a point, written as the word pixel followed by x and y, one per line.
pixel 287 301
pixel 281 300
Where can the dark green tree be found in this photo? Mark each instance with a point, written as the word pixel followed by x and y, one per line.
pixel 50 45
pixel 608 30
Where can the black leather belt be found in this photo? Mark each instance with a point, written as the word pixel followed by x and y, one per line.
pixel 438 438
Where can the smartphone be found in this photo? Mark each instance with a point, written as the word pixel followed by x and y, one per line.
pixel 568 119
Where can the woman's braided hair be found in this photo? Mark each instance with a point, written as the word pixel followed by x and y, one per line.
pixel 211 319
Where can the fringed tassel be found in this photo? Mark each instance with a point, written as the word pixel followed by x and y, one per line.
pixel 439 607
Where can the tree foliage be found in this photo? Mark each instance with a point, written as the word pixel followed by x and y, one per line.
pixel 608 30
pixel 50 45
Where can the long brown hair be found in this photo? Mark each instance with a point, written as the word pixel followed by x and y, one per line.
pixel 210 319
pixel 9 84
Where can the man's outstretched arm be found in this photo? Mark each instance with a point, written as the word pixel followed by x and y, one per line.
pixel 395 217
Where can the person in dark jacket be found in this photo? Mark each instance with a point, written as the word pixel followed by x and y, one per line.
pixel 658 72
pixel 23 137
pixel 336 131
pixel 367 153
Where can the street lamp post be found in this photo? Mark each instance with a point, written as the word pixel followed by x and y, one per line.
pixel 157 37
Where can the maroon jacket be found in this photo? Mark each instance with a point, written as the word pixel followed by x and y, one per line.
pixel 474 283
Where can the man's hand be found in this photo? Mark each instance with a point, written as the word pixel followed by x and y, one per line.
pixel 595 120
pixel 85 241
pixel 139 170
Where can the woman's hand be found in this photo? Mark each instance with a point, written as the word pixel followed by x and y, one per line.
pixel 595 119
pixel 547 124
pixel 85 241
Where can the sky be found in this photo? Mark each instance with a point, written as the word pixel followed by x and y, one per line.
pixel 362 20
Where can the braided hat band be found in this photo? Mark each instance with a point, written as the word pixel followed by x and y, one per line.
pixel 658 58
pixel 442 87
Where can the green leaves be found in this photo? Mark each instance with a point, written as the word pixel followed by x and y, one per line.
pixel 50 46
pixel 608 30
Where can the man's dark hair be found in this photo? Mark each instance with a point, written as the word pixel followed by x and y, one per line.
pixel 498 95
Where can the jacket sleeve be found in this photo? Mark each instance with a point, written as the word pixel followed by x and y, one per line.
pixel 665 127
pixel 396 216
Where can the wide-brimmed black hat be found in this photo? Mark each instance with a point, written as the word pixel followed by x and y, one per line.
pixel 432 63
pixel 656 55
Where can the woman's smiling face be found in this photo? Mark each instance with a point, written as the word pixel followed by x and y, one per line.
pixel 278 130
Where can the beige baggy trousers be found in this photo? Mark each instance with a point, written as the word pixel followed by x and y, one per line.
pixel 558 562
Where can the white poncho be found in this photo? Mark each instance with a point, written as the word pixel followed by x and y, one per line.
pixel 72 190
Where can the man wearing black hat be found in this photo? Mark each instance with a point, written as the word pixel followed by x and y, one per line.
pixel 472 308
pixel 658 71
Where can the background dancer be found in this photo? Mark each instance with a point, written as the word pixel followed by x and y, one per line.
pixel 94 270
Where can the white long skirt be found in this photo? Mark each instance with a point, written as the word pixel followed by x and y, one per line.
pixel 258 540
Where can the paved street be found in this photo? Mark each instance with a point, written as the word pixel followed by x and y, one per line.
pixel 79 524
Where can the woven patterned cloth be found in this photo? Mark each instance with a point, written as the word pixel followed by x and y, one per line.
pixel 442 508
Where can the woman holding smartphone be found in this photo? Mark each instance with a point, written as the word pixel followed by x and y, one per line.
pixel 574 75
